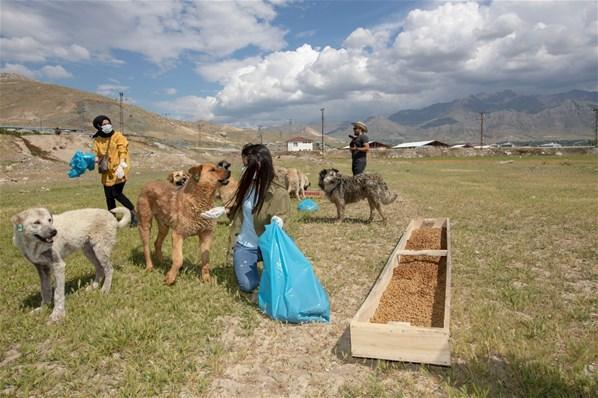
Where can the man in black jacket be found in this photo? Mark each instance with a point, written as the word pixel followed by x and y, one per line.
pixel 359 147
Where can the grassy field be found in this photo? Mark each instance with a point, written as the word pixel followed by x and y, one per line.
pixel 524 318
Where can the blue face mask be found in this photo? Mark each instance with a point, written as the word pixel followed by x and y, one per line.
pixel 107 128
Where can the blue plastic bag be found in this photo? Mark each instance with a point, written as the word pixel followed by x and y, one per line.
pixel 289 290
pixel 308 205
pixel 80 162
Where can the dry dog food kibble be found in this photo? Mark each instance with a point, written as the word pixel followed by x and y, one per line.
pixel 427 238
pixel 416 293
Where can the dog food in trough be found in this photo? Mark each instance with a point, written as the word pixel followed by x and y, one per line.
pixel 415 293
pixel 427 238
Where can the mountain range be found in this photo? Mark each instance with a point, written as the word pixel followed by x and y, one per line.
pixel 508 116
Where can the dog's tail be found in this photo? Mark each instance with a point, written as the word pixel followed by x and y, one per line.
pixel 125 216
pixel 386 196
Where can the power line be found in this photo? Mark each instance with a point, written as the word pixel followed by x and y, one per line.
pixel 122 121
pixel 595 126
pixel 482 129
pixel 322 110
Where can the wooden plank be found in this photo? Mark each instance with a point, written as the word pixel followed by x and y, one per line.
pixel 400 344
pixel 435 253
pixel 447 292
pixel 368 307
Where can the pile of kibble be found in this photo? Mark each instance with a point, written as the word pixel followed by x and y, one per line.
pixel 415 293
pixel 427 239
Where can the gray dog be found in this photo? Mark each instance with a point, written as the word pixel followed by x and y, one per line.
pixel 46 240
pixel 342 190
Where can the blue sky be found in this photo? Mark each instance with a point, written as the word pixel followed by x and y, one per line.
pixel 267 61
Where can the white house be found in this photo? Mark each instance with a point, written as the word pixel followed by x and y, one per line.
pixel 300 144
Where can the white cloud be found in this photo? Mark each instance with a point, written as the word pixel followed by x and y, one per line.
pixel 55 72
pixel 170 91
pixel 430 55
pixel 19 69
pixel 111 89
pixel 161 31
pixel 190 107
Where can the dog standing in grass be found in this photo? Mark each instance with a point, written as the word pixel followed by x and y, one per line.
pixel 342 190
pixel 180 209
pixel 46 239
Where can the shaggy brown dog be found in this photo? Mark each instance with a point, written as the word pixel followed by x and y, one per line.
pixel 178 178
pixel 342 190
pixel 180 210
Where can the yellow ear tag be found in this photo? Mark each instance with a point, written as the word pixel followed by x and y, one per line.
pixel 196 177
pixel 19 227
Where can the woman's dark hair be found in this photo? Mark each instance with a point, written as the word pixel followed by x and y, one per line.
pixel 258 174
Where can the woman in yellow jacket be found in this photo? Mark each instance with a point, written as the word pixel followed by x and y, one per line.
pixel 115 146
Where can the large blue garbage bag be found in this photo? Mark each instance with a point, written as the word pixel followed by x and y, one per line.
pixel 308 205
pixel 289 290
pixel 80 162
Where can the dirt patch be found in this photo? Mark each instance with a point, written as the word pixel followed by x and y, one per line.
pixel 415 293
pixel 427 238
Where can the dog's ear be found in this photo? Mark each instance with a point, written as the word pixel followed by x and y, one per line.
pixel 170 177
pixel 195 172
pixel 17 219
pixel 335 170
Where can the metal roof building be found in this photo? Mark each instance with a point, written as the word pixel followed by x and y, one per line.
pixel 419 144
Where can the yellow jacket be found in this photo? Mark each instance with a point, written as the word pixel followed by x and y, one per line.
pixel 118 151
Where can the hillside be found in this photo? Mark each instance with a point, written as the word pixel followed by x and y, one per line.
pixel 508 117
pixel 26 102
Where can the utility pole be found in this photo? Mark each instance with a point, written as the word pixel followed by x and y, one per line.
pixel 322 110
pixel 595 126
pixel 122 121
pixel 481 129
pixel 290 126
pixel 259 131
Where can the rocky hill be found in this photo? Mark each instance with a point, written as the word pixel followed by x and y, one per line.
pixel 26 102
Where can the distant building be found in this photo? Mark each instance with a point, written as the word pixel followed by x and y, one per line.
pixel 420 144
pixel 374 145
pixel 551 145
pixel 462 146
pixel 378 145
pixel 296 144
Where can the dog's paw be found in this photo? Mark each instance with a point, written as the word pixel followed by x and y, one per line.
pixel 92 286
pixel 169 279
pixel 149 269
pixel 36 310
pixel 56 317
pixel 205 277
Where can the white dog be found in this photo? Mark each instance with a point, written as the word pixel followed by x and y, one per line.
pixel 45 240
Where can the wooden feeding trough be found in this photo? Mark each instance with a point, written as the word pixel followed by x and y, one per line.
pixel 406 315
pixel 313 194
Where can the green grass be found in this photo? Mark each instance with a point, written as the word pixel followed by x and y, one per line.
pixel 142 339
pixel 523 320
